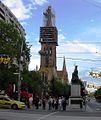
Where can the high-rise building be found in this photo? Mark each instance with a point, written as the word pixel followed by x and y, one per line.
pixel 7 16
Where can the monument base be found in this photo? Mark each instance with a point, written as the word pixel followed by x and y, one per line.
pixel 75 102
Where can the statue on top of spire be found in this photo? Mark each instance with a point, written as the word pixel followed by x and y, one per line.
pixel 49 17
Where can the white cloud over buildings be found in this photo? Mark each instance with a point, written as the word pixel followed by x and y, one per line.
pixel 22 11
pixel 19 9
pixel 39 2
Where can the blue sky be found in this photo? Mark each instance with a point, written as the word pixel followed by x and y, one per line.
pixel 79 32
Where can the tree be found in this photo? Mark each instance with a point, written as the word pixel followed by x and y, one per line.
pixel 98 92
pixel 59 89
pixel 32 82
pixel 11 40
pixel 53 86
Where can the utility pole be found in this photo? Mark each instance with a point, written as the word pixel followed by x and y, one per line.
pixel 19 73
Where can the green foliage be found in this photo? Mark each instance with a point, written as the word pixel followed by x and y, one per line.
pixel 99 74
pixel 91 73
pixel 62 89
pixel 11 41
pixel 97 95
pixel 31 81
pixel 59 89
pixel 9 36
pixel 98 92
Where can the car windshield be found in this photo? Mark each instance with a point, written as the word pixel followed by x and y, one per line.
pixel 8 98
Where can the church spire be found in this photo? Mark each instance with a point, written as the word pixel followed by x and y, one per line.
pixel 64 65
pixel 65 74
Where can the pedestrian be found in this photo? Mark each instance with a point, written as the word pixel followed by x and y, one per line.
pixel 64 103
pixel 44 103
pixel 56 103
pixel 50 100
pixel 31 101
pixel 60 103
pixel 37 102
pixel 53 103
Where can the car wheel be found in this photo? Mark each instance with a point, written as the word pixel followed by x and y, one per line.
pixel 14 106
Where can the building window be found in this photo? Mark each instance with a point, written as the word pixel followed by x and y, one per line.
pixel 1 16
pixel 2 11
pixel 50 51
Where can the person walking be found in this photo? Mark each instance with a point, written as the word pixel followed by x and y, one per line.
pixel 37 102
pixel 44 103
pixel 31 102
pixel 60 103
pixel 50 100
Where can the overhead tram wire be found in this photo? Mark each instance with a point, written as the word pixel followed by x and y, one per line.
pixel 78 59
pixel 82 59
pixel 66 53
pixel 78 53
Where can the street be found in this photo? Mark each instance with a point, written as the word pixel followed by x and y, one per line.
pixel 95 106
pixel 91 113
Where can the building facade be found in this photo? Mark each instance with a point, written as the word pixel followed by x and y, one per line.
pixel 7 16
pixel 62 75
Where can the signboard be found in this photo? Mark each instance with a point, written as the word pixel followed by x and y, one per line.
pixel 4 59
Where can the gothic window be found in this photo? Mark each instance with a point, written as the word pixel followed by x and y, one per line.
pixel 50 51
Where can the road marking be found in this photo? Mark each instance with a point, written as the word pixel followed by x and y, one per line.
pixel 45 116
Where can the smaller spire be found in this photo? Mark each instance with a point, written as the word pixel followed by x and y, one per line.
pixel 65 74
pixel 64 64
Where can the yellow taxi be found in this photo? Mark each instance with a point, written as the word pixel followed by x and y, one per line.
pixel 6 102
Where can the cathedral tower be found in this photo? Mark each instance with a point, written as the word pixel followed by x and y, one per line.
pixel 49 41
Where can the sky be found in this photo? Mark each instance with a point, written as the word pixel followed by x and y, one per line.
pixel 79 32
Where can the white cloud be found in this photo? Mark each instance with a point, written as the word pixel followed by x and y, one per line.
pixel 68 46
pixel 39 2
pixel 75 46
pixel 34 62
pixel 18 8
pixel 61 37
pixel 35 58
pixel 22 11
pixel 65 47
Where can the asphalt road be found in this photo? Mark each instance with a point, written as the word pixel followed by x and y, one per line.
pixel 93 112
pixel 45 115
pixel 95 106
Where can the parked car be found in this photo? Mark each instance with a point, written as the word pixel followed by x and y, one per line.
pixel 6 102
